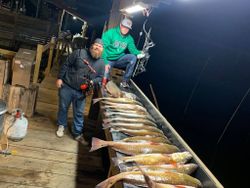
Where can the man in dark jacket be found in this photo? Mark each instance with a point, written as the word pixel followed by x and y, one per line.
pixel 81 67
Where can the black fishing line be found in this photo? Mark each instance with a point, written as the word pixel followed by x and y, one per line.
pixel 227 125
pixel 234 113
pixel 196 86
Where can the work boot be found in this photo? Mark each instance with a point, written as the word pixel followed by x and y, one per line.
pixel 60 131
pixel 81 139
pixel 124 84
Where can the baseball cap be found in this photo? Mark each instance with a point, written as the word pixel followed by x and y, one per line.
pixel 127 23
pixel 99 41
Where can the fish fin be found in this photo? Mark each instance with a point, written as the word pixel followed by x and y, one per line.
pixel 97 144
pixel 96 100
pixel 174 163
pixel 123 167
pixel 148 180
pixel 117 161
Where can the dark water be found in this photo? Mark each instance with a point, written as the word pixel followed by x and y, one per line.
pixel 206 45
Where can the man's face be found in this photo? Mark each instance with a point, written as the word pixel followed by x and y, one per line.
pixel 124 30
pixel 96 50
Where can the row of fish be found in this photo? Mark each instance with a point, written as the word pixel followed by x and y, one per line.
pixel 149 158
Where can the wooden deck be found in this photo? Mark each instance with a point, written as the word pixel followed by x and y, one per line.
pixel 44 160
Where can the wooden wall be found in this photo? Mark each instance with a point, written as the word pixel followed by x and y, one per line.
pixel 16 30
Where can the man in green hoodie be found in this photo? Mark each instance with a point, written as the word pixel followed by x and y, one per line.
pixel 116 41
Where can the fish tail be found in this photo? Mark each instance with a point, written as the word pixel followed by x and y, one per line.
pixel 148 181
pixel 106 183
pixel 96 100
pixel 97 144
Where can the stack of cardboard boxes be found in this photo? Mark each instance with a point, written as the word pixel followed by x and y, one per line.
pixel 21 93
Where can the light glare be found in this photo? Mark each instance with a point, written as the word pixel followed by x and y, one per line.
pixel 135 8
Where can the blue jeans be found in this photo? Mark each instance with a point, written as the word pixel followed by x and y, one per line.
pixel 67 95
pixel 126 62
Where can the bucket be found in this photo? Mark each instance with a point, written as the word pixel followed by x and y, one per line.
pixel 3 110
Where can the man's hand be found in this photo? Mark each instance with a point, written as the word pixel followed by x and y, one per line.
pixel 107 67
pixel 141 55
pixel 59 83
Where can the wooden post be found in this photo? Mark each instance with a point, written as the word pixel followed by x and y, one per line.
pixel 61 22
pixel 51 50
pixel 39 54
pixel 55 61
pixel 115 15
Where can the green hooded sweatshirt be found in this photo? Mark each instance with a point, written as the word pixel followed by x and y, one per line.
pixel 115 45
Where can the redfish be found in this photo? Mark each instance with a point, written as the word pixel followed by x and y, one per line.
pixel 155 158
pixel 178 167
pixel 147 138
pixel 137 178
pixel 133 148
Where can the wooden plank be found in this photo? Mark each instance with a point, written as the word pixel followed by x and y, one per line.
pixel 49 83
pixel 50 110
pixel 23 98
pixel 52 46
pixel 55 167
pixel 88 161
pixel 51 142
pixel 48 96
pixel 43 179
pixel 38 62
pixel 2 75
pixel 7 52
pixel 13 185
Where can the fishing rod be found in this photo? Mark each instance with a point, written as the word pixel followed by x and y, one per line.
pixel 148 43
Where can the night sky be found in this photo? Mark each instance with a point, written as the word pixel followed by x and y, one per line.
pixel 203 47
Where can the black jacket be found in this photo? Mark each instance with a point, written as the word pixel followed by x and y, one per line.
pixel 74 71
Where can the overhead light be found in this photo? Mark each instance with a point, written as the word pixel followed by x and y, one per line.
pixel 74 18
pixel 135 8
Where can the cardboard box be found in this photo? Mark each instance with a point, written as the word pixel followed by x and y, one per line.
pixel 23 67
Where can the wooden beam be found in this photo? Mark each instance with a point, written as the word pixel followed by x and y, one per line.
pixel 46 47
pixel 115 14
pixel 52 46
pixel 39 54
pixel 7 52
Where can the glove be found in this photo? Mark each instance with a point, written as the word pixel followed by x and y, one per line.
pixel 104 81
pixel 141 55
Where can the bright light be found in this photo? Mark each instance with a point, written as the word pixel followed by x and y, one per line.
pixel 74 18
pixel 135 8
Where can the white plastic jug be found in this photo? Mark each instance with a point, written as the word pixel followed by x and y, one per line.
pixel 18 130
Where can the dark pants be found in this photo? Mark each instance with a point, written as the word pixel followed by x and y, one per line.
pixel 67 95
pixel 126 62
